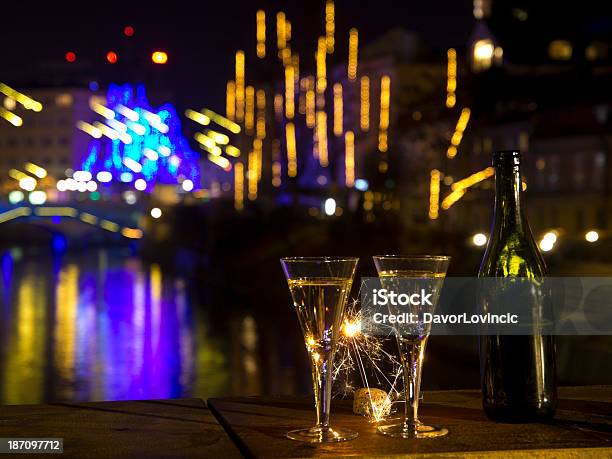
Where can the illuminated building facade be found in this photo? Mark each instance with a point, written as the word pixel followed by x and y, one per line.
pixel 47 138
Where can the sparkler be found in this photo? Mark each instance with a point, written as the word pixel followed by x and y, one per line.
pixel 364 355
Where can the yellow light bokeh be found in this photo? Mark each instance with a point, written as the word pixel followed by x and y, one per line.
pixel 276 164
pixel 230 100
pixel 353 54
pixel 364 111
pixel 289 92
pixel 281 31
pixel 291 150
pixel 240 78
pixel 260 124
pixel 349 158
pixel 249 112
pixel 338 110
pixel 434 194
pixel 457 136
pixel 451 78
pixel 330 26
pixel 278 107
pixel 260 18
pixel 321 66
pixel 385 101
pixel 239 186
pixel 321 138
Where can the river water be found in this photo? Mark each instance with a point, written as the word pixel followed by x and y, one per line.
pixel 107 326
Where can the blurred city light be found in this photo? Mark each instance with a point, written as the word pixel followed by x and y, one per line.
pixel 132 233
pixel 364 111
pixel 353 54
pixel 451 78
pixel 89 129
pixel 197 117
pixel 15 120
pixel 16 196
pixel 338 125
pixel 220 161
pixel 70 56
pixel 27 102
pixel 239 186
pixel 130 197
pixel 546 245
pixel 385 101
pixel 550 236
pixel 102 110
pixel 362 184
pixel 291 152
pixel 434 194
pixel 261 33
pixel 151 155
pixel 330 26
pixel 591 236
pixel 37 198
pixel 187 185
pixel 82 176
pixel 27 183
pixel 104 176
pixel 126 177
pixel 36 170
pixel 112 57
pixel 479 239
pixel 349 158
pixel 222 121
pixel 159 57
pixel 156 212
pixel 140 184
pixel 239 85
pixel 9 103
pixel 458 134
pixel 330 206
pixel 230 100
pixel 128 31
pixel 132 164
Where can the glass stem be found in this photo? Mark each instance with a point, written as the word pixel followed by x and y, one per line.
pixel 322 384
pixel 412 351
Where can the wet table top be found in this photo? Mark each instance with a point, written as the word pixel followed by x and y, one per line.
pixel 582 428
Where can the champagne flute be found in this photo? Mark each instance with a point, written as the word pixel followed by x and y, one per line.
pixel 411 274
pixel 320 287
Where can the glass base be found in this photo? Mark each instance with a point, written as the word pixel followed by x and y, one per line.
pixel 418 430
pixel 322 435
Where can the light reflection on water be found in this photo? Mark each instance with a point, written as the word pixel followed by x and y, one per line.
pixel 113 328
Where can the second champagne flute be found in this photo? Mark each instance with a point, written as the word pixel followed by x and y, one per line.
pixel 411 275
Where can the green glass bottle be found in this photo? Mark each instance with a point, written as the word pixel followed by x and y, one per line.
pixel 517 371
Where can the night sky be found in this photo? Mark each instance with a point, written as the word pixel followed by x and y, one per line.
pixel 201 38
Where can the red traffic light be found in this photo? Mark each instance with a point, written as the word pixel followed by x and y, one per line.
pixel 70 56
pixel 112 57
pixel 128 31
pixel 159 57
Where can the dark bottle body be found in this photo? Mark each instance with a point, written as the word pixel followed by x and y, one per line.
pixel 517 372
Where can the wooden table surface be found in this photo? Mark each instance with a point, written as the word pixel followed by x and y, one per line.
pixel 135 429
pixel 581 428
pixel 256 427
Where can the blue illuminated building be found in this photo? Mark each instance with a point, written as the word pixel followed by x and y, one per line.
pixel 151 145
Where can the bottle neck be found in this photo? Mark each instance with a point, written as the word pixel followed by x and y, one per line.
pixel 508 203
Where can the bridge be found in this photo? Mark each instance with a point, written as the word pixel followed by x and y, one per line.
pixel 73 219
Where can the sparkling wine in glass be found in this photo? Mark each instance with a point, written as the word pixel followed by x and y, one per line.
pixel 411 275
pixel 320 287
